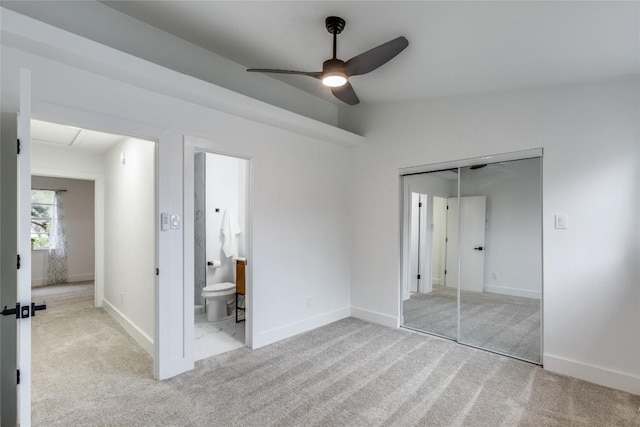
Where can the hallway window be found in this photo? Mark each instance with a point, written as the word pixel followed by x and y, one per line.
pixel 42 210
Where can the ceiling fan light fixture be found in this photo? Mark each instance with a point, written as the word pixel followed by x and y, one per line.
pixel 334 79
pixel 334 73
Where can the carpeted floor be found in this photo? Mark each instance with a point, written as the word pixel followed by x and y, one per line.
pixel 88 371
pixel 509 325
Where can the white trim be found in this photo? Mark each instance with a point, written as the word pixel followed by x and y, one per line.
pixel 24 246
pixel 45 40
pixel 41 281
pixel 504 157
pixel 596 374
pixel 287 331
pixel 514 292
pixel 141 338
pixel 372 316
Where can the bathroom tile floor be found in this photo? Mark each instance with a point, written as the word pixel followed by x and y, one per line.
pixel 213 338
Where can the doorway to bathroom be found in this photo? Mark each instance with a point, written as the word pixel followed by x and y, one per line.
pixel 220 252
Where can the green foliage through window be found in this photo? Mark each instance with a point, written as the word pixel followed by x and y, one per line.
pixel 42 210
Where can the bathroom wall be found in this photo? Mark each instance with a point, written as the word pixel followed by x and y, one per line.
pixel 225 190
pixel 79 221
pixel 200 232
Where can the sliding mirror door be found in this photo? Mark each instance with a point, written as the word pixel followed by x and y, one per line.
pixel 472 255
pixel 501 257
pixel 430 298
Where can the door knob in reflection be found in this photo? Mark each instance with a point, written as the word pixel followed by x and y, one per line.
pixel 478 248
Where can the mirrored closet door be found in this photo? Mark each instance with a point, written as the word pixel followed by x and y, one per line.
pixel 472 255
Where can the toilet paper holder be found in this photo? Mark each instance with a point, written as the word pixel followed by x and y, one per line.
pixel 214 264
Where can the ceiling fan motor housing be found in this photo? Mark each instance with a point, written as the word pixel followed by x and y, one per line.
pixel 334 65
pixel 334 24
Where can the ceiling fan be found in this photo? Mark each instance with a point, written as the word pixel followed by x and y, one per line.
pixel 336 73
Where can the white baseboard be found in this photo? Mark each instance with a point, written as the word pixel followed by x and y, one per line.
pixel 372 316
pixel 435 281
pixel 286 331
pixel 42 281
pixel 514 292
pixel 136 333
pixel 594 374
pixel 81 277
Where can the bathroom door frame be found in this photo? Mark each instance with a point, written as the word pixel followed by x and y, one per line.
pixel 405 252
pixel 191 146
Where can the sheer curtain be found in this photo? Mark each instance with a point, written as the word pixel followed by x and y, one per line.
pixel 57 271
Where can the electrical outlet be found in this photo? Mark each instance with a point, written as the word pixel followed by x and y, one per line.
pixel 309 302
pixel 121 297
pixel 494 275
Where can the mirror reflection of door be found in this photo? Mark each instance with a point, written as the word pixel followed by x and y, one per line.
pixel 483 256
pixel 431 305
pixel 503 313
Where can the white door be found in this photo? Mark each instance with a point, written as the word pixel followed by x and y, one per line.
pixel 465 243
pixel 16 260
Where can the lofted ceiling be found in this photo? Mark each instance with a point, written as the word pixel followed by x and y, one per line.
pixel 455 47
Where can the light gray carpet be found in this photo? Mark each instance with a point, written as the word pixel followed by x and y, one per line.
pixel 507 324
pixel 88 371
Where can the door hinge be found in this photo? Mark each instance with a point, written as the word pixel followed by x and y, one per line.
pixel 18 146
pixel 419 204
pixel 447 207
pixel 446 239
pixel 18 372
pixel 418 277
pixel 445 272
pixel 18 263
pixel 157 271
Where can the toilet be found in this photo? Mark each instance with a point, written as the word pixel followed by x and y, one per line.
pixel 218 296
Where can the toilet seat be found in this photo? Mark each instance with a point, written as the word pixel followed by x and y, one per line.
pixel 219 289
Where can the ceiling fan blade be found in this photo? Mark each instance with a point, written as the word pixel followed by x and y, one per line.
pixel 376 57
pixel 346 94
pixel 303 73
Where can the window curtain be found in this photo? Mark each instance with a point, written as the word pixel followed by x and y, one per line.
pixel 57 271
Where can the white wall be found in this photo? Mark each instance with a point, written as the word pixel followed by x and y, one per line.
pixel 513 238
pixel 299 187
pixel 226 189
pixel 299 259
pixel 80 225
pixel 130 244
pixel 96 21
pixel 590 171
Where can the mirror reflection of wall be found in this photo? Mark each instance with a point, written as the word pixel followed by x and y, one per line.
pixel 483 255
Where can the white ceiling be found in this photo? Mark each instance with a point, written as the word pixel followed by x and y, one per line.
pixel 455 47
pixel 64 137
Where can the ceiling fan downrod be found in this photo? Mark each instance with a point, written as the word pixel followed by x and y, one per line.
pixel 334 25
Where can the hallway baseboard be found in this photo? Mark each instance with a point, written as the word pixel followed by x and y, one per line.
pixel 141 338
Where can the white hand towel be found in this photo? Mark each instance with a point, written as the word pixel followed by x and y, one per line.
pixel 230 230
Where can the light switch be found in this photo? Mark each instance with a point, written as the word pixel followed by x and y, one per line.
pixel 562 221
pixel 175 222
pixel 164 221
